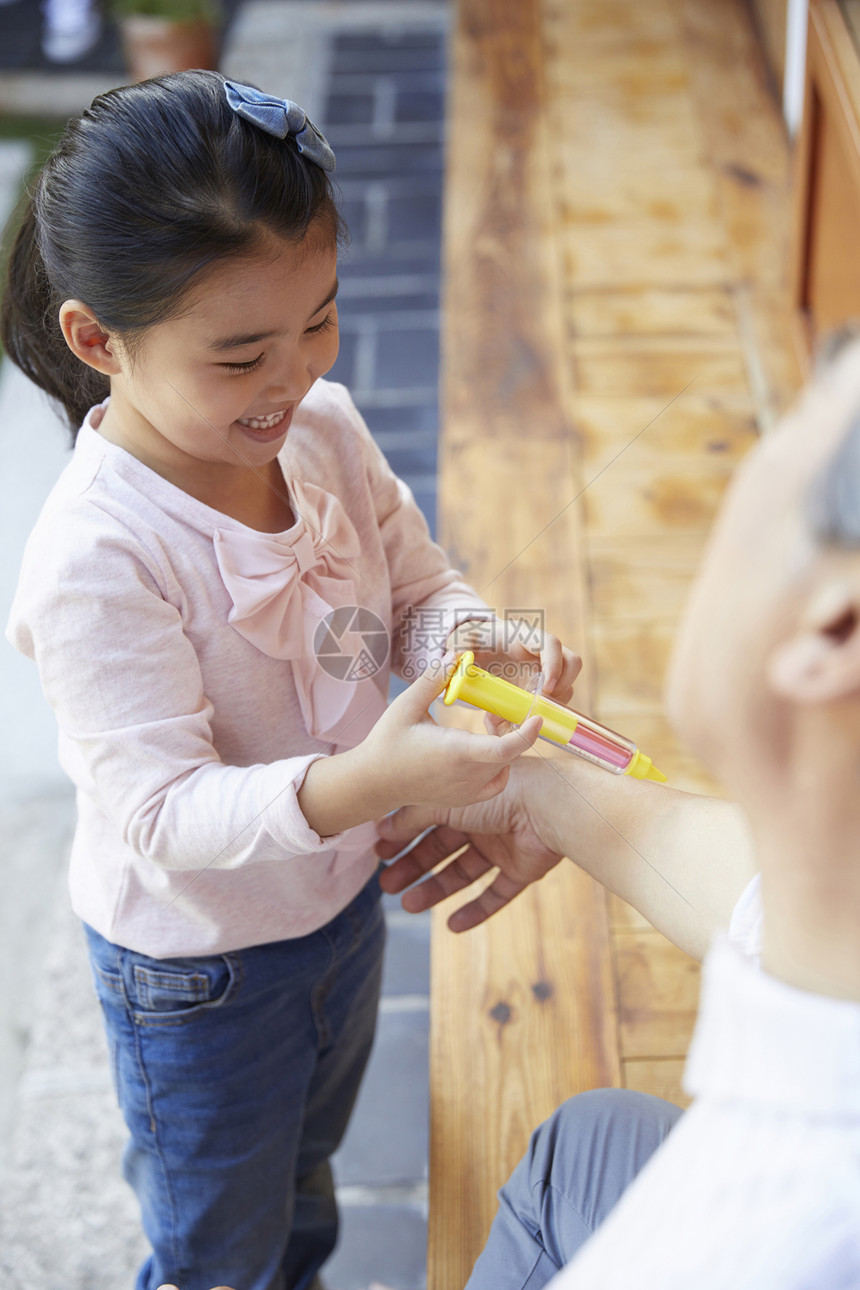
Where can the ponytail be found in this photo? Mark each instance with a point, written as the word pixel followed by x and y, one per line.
pixel 30 330
pixel 150 188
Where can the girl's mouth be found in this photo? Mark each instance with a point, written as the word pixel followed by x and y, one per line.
pixel 267 429
pixel 264 423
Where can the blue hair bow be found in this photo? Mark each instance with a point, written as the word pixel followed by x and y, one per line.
pixel 282 118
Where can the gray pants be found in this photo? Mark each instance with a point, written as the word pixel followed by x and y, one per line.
pixel 578 1163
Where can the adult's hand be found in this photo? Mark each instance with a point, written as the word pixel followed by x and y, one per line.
pixel 681 860
pixel 501 834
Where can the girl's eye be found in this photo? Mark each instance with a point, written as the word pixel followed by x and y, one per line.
pixel 326 324
pixel 243 367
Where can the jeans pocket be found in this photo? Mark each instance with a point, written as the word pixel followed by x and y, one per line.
pixel 171 992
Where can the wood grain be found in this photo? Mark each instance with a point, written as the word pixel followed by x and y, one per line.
pixel 658 995
pixel 523 1011
pixel 659 1076
pixel 772 19
pixel 523 1016
pixel 617 335
pixel 826 266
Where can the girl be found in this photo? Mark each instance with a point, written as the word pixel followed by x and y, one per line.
pixel 185 594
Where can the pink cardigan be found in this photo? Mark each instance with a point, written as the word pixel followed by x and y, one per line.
pixel 175 647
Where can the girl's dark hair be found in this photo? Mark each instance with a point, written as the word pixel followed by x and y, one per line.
pixel 146 190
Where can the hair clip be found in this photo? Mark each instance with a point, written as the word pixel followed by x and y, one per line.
pixel 282 118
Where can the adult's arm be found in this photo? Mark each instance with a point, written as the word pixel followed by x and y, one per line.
pixel 681 859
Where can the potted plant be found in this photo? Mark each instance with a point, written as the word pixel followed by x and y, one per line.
pixel 161 36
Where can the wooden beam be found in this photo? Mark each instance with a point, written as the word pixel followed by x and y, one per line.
pixel 523 1009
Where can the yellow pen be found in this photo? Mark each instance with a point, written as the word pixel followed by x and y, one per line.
pixel 562 726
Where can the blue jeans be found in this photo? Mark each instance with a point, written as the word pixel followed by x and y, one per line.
pixel 236 1075
pixel 577 1165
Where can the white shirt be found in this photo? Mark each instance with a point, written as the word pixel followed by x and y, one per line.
pixel 758 1186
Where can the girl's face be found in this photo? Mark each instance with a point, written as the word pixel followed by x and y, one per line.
pixel 214 390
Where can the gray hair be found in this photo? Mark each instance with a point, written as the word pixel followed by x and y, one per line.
pixel 833 502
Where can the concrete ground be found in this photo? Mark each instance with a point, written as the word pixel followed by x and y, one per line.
pixel 372 76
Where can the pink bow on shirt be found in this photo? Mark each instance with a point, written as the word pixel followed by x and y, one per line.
pixel 283 584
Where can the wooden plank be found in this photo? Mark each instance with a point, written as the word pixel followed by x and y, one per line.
pixel 659 1076
pixel 522 1017
pixel 834 256
pixel 588 283
pixel 746 151
pixel 699 425
pixel 630 662
pixel 641 578
pixel 660 311
pixel 523 1009
pixel 831 117
pixel 658 995
pixel 650 498
pixel 826 268
pixel 624 918
pixel 603 193
pixel 665 370
pixel 772 18
pixel 646 252
pixel 835 68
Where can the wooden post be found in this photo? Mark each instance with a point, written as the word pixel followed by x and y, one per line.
pixel 523 1009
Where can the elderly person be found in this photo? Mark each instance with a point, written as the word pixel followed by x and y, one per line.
pixel 758 1186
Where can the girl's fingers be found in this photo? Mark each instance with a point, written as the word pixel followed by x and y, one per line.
pixel 571 668
pixel 493 786
pixel 551 662
pixel 490 750
pixel 562 664
pixel 417 699
pixel 515 742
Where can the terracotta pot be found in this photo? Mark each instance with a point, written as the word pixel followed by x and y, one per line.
pixel 153 46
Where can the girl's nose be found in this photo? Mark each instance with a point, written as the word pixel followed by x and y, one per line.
pixel 290 381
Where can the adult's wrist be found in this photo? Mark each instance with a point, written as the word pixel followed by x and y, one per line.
pixel 566 798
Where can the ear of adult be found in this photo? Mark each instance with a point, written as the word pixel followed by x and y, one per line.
pixel 819 660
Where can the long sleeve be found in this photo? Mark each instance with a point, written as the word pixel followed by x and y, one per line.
pixel 186 736
pixel 125 683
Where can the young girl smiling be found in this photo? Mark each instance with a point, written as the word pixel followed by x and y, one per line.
pixel 173 286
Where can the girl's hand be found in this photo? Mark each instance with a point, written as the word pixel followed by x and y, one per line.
pixel 409 760
pixel 495 642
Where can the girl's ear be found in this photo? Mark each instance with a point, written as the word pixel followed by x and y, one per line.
pixel 820 662
pixel 87 339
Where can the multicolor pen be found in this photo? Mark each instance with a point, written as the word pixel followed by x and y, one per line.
pixel 562 726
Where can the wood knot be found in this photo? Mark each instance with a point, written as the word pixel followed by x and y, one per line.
pixel 748 178
pixel 542 990
pixel 501 1013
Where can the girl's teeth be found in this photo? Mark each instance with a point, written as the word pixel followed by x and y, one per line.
pixel 262 423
